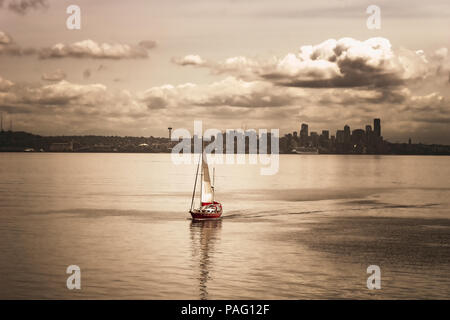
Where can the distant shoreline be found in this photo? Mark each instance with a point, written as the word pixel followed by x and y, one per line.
pixel 12 141
pixel 291 154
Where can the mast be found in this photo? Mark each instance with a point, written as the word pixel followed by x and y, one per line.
pixel 195 184
pixel 201 173
pixel 214 183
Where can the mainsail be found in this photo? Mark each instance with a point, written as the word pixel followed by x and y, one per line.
pixel 207 191
pixel 209 208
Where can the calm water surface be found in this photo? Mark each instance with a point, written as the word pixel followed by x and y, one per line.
pixel 309 232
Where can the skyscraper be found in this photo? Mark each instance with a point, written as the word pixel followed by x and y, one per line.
pixel 340 136
pixel 347 134
pixel 377 127
pixel 304 134
pixel 304 130
pixel 324 138
pixel 314 139
pixel 369 135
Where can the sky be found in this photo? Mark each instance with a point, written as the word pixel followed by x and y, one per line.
pixel 138 67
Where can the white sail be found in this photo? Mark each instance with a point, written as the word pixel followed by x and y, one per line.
pixel 207 192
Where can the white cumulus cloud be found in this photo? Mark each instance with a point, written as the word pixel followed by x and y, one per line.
pixel 91 49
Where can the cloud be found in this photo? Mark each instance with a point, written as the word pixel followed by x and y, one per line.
pixel 22 7
pixel 338 63
pixel 56 75
pixel 9 47
pixel 189 60
pixel 4 38
pixel 82 49
pixel 91 49
pixel 5 84
pixel 65 107
pixel 441 54
pixel 70 108
pixel 331 64
pixel 147 44
pixel 64 93
pixel 228 92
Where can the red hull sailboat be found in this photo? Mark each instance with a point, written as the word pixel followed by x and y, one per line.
pixel 209 208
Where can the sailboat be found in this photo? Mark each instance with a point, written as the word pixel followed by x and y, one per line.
pixel 209 208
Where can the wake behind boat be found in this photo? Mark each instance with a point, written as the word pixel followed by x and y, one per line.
pixel 209 208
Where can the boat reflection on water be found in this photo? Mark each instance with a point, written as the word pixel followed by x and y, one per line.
pixel 205 234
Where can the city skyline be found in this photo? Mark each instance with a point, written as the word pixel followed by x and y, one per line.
pixel 304 131
pixel 346 141
pixel 368 140
pixel 282 134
